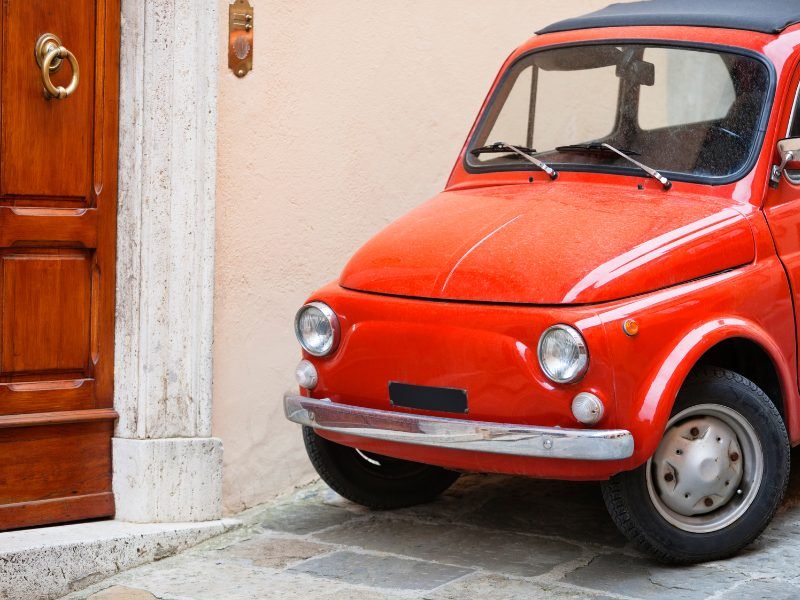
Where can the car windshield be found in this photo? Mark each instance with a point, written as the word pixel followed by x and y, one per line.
pixel 692 113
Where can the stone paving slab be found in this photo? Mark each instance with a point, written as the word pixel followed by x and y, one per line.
pixel 496 551
pixel 296 518
pixel 191 577
pixel 541 507
pixel 490 537
pixel 641 578
pixel 269 552
pixel 120 592
pixel 762 590
pixel 498 587
pixel 388 572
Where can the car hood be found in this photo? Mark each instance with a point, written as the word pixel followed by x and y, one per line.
pixel 558 243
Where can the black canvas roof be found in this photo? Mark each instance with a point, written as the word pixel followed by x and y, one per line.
pixel 767 16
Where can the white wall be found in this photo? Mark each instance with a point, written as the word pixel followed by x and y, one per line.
pixel 354 113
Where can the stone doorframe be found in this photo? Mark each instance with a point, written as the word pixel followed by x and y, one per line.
pixel 167 467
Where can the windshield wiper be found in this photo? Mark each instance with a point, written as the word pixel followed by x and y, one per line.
pixel 500 148
pixel 626 154
pixel 593 147
pixel 520 151
pixel 649 170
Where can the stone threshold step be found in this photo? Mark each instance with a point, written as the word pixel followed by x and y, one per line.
pixel 49 562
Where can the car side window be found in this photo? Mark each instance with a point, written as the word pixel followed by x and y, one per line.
pixel 794 124
pixel 794 131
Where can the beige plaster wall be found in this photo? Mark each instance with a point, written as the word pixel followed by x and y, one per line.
pixel 355 113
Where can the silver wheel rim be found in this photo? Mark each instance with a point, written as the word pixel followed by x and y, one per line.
pixel 707 470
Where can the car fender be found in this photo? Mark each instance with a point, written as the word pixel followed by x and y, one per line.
pixel 661 390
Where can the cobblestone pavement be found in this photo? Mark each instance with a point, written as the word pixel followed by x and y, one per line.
pixel 489 537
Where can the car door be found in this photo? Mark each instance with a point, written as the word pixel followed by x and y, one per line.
pixel 58 194
pixel 782 206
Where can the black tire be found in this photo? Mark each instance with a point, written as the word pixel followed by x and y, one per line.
pixel 375 481
pixel 634 511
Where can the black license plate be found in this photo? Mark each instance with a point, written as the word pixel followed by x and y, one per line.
pixel 423 397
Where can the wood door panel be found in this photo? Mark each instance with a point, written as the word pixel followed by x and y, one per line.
pixel 45 312
pixel 46 144
pixel 58 203
pixel 55 461
pixel 33 397
pixel 57 510
pixel 61 226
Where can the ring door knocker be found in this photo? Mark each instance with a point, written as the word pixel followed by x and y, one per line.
pixel 50 54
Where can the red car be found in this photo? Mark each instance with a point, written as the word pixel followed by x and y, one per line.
pixel 606 290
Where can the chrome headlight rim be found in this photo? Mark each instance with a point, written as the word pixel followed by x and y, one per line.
pixel 333 322
pixel 583 352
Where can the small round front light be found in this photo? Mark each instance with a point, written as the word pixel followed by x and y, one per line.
pixel 306 375
pixel 563 354
pixel 317 329
pixel 588 408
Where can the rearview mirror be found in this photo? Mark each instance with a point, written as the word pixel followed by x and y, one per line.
pixel 789 151
pixel 638 72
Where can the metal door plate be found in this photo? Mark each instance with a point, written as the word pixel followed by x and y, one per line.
pixel 43 45
pixel 240 37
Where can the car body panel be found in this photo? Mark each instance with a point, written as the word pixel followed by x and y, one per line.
pixel 560 244
pixel 489 350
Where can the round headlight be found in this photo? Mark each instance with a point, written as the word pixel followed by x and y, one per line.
pixel 317 329
pixel 563 355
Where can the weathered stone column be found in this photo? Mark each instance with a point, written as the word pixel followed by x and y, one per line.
pixel 167 467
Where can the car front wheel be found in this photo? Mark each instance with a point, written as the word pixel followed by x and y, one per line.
pixel 717 477
pixel 372 480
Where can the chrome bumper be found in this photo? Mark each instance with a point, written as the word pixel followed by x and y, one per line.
pixel 474 436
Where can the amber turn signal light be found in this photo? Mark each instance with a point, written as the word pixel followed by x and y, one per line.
pixel 631 328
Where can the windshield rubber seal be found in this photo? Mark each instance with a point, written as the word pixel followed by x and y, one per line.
pixel 748 166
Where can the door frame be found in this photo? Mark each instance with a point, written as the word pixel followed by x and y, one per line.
pixel 167 465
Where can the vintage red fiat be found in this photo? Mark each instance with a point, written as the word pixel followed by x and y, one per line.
pixel 606 289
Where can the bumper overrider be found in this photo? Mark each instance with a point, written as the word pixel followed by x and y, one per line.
pixel 457 434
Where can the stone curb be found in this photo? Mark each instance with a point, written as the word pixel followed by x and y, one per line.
pixel 50 562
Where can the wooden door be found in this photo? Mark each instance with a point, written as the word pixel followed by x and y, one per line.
pixel 58 194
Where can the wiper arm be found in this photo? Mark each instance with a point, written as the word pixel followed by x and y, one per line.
pixel 649 170
pixel 593 147
pixel 500 148
pixel 520 151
